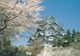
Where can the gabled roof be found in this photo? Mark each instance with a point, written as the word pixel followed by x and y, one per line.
pixel 59 34
pixel 61 30
pixel 44 21
pixel 51 28
pixel 50 18
pixel 30 39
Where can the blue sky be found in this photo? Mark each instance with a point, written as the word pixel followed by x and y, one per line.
pixel 67 12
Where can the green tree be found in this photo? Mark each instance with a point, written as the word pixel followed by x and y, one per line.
pixel 73 35
pixel 7 50
pixel 67 36
pixel 77 37
pixel 59 42
pixel 68 33
pixel 35 48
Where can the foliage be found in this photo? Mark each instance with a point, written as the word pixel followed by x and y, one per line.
pixel 58 42
pixel 35 47
pixel 75 45
pixel 73 35
pixel 70 39
pixel 22 48
pixel 77 37
pixel 7 50
pixel 68 36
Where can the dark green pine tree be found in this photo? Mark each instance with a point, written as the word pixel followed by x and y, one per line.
pixel 68 37
pixel 68 33
pixel 73 35
pixel 77 37
pixel 47 31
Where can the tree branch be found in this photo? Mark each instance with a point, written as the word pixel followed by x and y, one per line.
pixel 5 26
pixel 14 5
pixel 18 14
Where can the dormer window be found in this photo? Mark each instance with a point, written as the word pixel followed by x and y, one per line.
pixel 48 33
pixel 41 33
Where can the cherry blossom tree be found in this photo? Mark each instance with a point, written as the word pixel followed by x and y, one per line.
pixel 18 15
